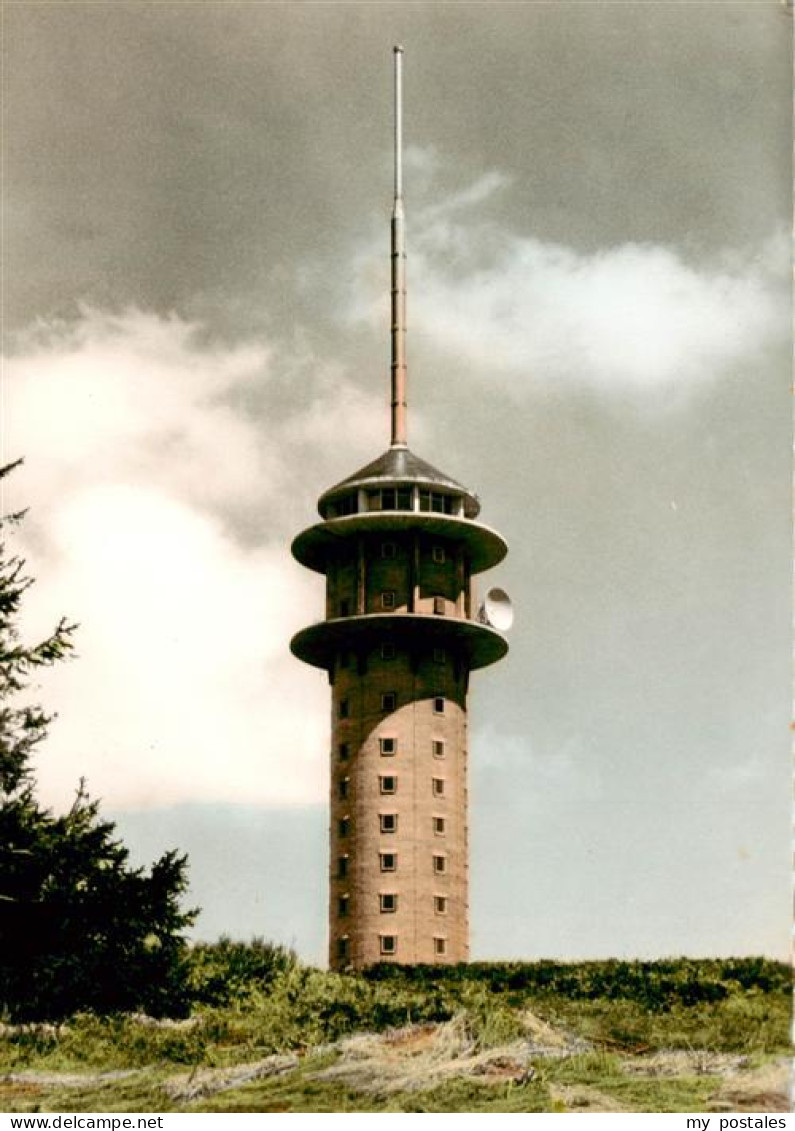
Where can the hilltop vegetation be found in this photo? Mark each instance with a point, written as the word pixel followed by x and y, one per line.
pixel 267 1033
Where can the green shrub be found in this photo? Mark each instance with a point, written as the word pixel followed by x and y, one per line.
pixel 224 972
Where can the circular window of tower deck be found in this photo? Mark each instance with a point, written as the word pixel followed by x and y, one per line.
pixel 387 746
pixel 388 902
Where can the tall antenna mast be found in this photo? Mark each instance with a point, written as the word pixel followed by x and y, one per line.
pixel 398 273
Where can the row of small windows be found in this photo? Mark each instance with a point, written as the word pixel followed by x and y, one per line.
pixel 387 747
pixel 392 499
pixel 388 823
pixel 389 550
pixel 389 602
pixel 388 783
pixel 388 904
pixel 389 652
pixel 388 704
pixel 388 862
pixel 388 946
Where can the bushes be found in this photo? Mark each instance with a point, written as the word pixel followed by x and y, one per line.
pixel 224 972
pixel 656 986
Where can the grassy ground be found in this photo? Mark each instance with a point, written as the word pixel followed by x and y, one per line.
pixel 678 1037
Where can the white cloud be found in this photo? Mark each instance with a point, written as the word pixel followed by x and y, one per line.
pixel 631 319
pixel 184 688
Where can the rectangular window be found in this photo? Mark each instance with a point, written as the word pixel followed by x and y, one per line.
pixel 389 701
pixel 439 655
pixel 439 864
pixel 344 826
pixel 388 599
pixel 374 500
pixel 344 707
pixel 387 651
pixel 439 946
pixel 388 944
pixel 388 861
pixel 439 826
pixel 387 745
pixel 345 608
pixel 344 751
pixel 342 947
pixel 437 502
pixel 388 822
pixel 342 788
pixel 438 748
pixel 388 902
pixel 342 867
pixel 440 904
pixel 438 606
pixel 437 787
pixel 438 554
pixel 343 903
pixel 438 705
pixel 347 504
pixel 388 783
pixel 388 499
pixel 388 550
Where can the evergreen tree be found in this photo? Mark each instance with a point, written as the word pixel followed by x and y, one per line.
pixel 79 928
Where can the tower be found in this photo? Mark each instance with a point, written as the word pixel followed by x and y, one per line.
pixel 400 545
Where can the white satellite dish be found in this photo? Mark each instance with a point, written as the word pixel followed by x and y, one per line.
pixel 496 610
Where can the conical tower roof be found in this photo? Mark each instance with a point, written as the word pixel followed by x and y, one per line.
pixel 400 467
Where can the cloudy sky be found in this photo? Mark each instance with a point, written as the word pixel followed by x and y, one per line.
pixel 196 206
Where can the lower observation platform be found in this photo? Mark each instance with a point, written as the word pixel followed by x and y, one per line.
pixel 318 644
